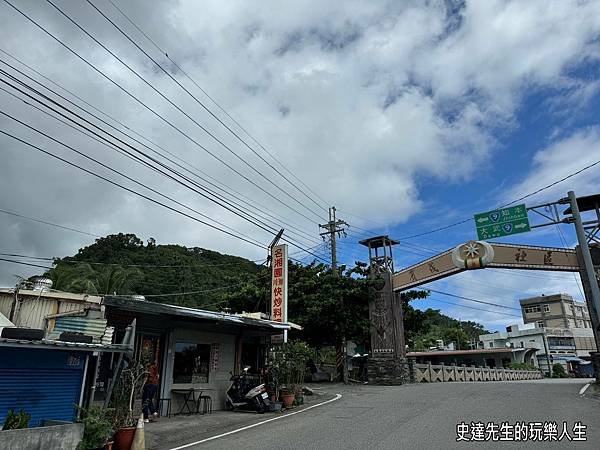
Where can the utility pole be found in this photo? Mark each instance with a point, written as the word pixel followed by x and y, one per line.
pixel 336 228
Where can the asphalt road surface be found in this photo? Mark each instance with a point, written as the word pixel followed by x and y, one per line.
pixel 426 416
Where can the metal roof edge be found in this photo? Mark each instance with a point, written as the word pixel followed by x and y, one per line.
pixel 63 345
pixel 44 293
pixel 182 311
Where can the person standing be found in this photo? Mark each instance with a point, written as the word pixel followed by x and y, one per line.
pixel 150 388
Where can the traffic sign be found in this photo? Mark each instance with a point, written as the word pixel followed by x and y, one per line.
pixel 502 222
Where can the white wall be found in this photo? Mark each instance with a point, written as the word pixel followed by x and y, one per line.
pixel 218 381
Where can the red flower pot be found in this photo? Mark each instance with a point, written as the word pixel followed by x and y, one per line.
pixel 287 399
pixel 124 438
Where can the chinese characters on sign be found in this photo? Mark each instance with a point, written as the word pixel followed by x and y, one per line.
pixel 214 357
pixel 279 269
pixel 520 431
pixel 73 361
pixel 502 222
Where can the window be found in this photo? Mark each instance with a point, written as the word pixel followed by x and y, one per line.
pixel 560 342
pixel 540 323
pixel 546 308
pixel 532 309
pixel 191 363
pixel 491 345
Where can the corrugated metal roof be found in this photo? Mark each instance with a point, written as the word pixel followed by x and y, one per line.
pixel 107 337
pixel 91 327
pixel 201 314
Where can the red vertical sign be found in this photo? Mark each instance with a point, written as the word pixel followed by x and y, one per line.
pixel 279 276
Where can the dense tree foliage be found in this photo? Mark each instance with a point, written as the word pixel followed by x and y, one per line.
pixel 327 305
pixel 122 264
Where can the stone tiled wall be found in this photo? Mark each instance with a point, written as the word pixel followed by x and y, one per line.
pixel 390 370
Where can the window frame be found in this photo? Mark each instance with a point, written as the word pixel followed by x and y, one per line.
pixel 198 375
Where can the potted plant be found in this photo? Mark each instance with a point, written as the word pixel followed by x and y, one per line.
pixel 288 364
pixel 121 410
pixel 97 428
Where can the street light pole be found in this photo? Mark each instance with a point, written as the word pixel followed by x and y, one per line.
pixel 591 277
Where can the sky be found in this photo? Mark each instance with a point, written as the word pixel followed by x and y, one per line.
pixel 406 116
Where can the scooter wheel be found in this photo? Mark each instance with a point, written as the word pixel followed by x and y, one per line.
pixel 229 406
pixel 260 408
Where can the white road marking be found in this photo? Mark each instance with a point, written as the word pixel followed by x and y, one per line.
pixel 583 389
pixel 337 397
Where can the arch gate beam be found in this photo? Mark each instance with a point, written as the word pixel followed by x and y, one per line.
pixel 478 255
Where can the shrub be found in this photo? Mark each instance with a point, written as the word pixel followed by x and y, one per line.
pixel 15 421
pixel 558 371
pixel 97 428
pixel 288 365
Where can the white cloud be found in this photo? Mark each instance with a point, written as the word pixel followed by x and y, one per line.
pixel 360 100
pixel 560 159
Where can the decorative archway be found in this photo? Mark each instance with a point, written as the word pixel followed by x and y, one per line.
pixel 388 364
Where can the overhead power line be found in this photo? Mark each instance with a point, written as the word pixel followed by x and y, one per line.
pixel 163 266
pixel 564 242
pixel 474 307
pixel 497 305
pixel 128 177
pixel 180 69
pixel 112 144
pixel 24 263
pixel 128 189
pixel 537 191
pixel 187 115
pixel 208 110
pixel 234 199
pixel 231 233
pixel 137 100
pixel 49 223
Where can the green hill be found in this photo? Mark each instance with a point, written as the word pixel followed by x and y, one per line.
pixel 125 265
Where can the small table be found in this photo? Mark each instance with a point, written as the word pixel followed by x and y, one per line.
pixel 189 398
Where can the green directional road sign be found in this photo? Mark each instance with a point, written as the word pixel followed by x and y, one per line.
pixel 502 222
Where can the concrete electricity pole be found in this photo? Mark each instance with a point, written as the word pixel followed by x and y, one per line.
pixel 333 229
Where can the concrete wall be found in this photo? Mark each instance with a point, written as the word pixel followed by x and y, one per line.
pixel 56 437
pixel 218 381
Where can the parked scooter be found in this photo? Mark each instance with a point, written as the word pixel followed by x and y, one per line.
pixel 241 395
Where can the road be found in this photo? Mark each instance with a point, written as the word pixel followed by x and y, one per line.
pixel 424 416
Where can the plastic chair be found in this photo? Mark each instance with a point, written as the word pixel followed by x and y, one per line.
pixel 206 402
